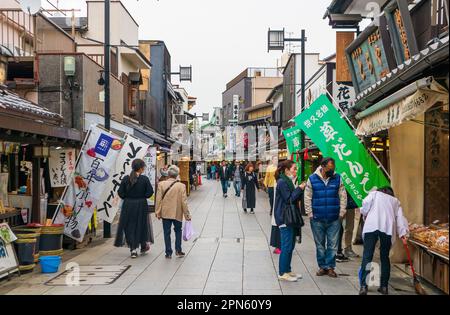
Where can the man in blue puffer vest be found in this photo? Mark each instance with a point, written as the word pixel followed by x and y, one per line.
pixel 325 204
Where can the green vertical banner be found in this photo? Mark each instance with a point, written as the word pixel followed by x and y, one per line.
pixel 293 141
pixel 294 145
pixel 333 136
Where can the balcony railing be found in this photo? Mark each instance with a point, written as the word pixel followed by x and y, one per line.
pixel 17 32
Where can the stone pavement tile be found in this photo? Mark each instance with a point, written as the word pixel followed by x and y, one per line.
pixel 257 292
pixel 148 290
pixel 217 276
pixel 212 291
pixel 177 291
pixel 224 285
pixel 67 290
pixel 97 290
pixel 267 284
pixel 187 282
pixel 30 289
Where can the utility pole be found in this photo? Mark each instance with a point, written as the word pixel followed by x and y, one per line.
pixel 303 100
pixel 107 66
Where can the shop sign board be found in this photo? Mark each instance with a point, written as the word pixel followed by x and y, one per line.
pixel 293 137
pixel 343 94
pixel 4 189
pixel 367 58
pixel 95 166
pixel 150 171
pixel 401 30
pixel 343 40
pixel 109 202
pixel 61 166
pixel 8 258
pixel 324 125
pixel 406 109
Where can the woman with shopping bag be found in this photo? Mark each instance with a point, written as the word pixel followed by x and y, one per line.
pixel 171 208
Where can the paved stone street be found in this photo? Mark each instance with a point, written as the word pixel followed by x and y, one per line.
pixel 231 256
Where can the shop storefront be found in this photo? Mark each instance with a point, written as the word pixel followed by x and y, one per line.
pixel 32 145
pixel 37 156
pixel 418 136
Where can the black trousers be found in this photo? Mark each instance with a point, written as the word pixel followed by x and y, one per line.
pixel 370 241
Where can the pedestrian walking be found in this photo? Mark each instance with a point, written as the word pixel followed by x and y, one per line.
pixel 325 204
pixel 172 207
pixel 238 171
pixel 286 200
pixel 384 220
pixel 208 171
pixel 275 236
pixel 346 232
pixel 213 171
pixel 135 224
pixel 249 186
pixel 269 181
pixel 224 177
pixel 199 173
pixel 164 174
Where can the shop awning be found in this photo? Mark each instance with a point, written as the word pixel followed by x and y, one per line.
pixel 401 106
pixel 21 115
pixel 149 136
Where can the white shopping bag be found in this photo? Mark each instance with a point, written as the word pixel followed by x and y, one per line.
pixel 188 231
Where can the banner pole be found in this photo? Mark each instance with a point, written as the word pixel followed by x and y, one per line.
pixel 71 176
pixel 380 165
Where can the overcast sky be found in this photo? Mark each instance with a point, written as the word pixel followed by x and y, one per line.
pixel 220 38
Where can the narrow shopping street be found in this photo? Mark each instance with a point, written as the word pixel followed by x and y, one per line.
pixel 230 256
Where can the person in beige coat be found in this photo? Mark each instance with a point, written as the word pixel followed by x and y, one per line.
pixel 171 207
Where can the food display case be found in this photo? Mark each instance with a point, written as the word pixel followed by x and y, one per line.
pixel 431 255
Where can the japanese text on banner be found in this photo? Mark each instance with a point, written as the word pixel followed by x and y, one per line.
pixel 334 137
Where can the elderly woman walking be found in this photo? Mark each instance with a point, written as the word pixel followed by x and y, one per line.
pixel 134 222
pixel 171 207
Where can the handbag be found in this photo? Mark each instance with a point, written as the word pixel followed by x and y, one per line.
pixel 292 216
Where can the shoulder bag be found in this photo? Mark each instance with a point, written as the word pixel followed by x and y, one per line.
pixel 292 215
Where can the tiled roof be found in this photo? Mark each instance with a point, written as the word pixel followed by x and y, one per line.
pixel 9 100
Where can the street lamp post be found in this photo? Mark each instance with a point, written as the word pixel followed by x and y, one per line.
pixel 276 41
pixel 107 66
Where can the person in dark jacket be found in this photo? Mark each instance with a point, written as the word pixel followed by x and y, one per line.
pixel 286 194
pixel 325 203
pixel 347 231
pixel 249 187
pixel 134 220
pixel 224 177
pixel 237 171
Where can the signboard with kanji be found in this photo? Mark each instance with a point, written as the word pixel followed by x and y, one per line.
pixel 367 59
pixel 61 166
pixel 86 186
pixel 322 123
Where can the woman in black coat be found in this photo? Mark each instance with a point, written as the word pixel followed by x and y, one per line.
pixel 249 187
pixel 134 222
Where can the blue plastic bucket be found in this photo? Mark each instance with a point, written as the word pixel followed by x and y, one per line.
pixel 50 264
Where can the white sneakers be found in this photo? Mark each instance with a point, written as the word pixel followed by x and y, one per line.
pixel 296 275
pixel 290 277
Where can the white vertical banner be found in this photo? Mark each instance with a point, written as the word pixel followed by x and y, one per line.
pixel 150 160
pixel 94 168
pixel 109 203
pixel 61 165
